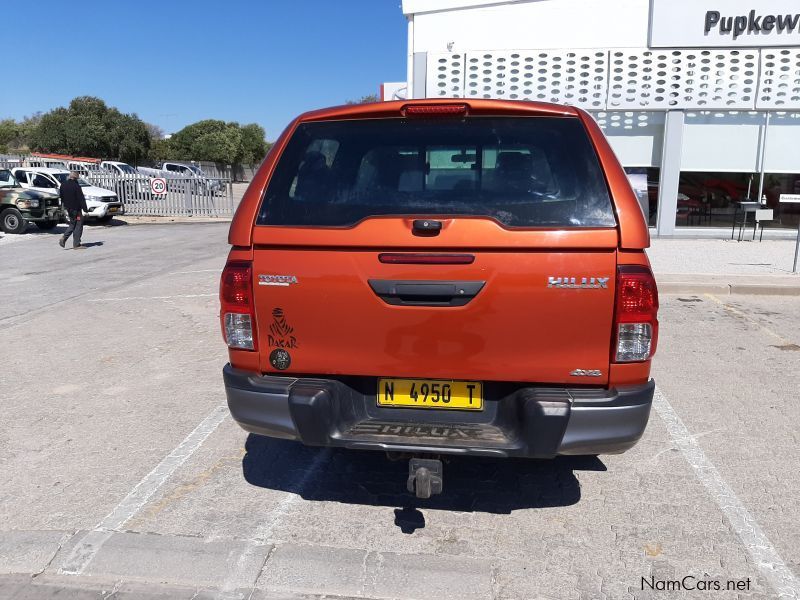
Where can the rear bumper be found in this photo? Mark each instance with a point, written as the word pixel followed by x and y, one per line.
pixel 534 422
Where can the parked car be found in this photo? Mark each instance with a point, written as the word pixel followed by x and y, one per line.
pixel 44 163
pixel 103 204
pixel 83 169
pixel 19 206
pixel 441 277
pixel 183 172
pixel 128 183
pixel 117 168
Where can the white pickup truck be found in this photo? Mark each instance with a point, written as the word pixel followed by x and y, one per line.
pixel 125 180
pixel 117 168
pixel 103 204
pixel 180 171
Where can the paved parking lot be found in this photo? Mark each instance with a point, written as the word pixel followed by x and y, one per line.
pixel 122 476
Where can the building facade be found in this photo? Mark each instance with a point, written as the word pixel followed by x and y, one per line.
pixel 700 99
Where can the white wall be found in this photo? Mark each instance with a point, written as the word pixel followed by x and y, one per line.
pixel 783 143
pixel 721 142
pixel 540 24
pixel 636 137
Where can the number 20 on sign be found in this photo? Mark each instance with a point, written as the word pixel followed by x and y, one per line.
pixel 158 186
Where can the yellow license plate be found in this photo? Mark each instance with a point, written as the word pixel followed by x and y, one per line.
pixel 430 393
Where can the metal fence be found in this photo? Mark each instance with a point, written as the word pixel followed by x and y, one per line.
pixel 9 161
pixel 241 172
pixel 209 197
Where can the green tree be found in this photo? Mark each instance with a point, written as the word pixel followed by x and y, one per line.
pixel 161 150
pixel 26 130
pixel 221 142
pixel 130 138
pixel 51 134
pixel 254 145
pixel 90 128
pixel 212 140
pixel 156 133
pixel 9 130
pixel 365 99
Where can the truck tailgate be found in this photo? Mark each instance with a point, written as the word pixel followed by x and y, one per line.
pixel 533 314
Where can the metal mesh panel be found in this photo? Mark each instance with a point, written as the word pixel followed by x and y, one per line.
pixel 576 78
pixel 632 79
pixel 714 79
pixel 445 75
pixel 780 79
pixel 627 120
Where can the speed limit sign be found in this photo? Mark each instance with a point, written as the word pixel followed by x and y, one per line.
pixel 158 185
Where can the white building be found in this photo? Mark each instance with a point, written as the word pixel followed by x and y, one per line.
pixel 700 98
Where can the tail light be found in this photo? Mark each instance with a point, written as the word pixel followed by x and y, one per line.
pixel 236 306
pixel 408 258
pixel 635 322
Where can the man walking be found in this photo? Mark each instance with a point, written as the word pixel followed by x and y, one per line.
pixel 73 200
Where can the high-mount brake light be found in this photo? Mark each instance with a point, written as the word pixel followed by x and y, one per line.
pixel 636 318
pixel 236 306
pixel 435 110
pixel 409 258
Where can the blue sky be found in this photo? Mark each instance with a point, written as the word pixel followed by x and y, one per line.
pixel 174 62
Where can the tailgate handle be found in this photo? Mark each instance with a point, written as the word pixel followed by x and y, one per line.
pixel 429 227
pixel 426 293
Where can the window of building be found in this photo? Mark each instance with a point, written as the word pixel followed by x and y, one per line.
pixel 710 199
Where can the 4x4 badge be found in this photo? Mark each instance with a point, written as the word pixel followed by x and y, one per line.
pixel 586 373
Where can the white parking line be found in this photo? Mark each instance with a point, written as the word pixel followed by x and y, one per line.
pixel 730 309
pixel 761 550
pixel 200 271
pixel 263 534
pixel 85 551
pixel 151 297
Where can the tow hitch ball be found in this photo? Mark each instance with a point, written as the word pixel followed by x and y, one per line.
pixel 424 477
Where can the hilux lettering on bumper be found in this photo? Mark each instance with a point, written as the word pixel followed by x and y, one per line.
pixel 523 421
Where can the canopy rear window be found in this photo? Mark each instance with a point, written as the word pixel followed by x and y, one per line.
pixel 521 171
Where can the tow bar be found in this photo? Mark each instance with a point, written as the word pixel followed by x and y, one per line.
pixel 424 477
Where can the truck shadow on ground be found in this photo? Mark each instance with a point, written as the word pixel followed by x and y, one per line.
pixel 361 477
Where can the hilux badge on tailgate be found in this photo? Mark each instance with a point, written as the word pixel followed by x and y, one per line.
pixel 282 280
pixel 573 283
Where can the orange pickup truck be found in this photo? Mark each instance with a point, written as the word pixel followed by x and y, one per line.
pixel 436 277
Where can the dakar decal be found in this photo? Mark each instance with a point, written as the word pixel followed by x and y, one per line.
pixel 280 332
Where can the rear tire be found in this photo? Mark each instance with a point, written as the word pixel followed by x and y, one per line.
pixel 46 225
pixel 12 221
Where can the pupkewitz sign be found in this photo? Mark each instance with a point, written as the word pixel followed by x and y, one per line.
pixel 724 23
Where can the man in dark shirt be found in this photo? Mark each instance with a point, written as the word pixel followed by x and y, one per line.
pixel 73 200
